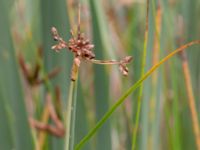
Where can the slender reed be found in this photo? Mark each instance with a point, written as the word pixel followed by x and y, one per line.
pixel 154 83
pixel 71 109
pixel 135 129
pixel 70 116
pixel 45 114
pixel 191 99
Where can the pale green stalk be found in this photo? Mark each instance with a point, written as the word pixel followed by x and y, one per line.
pixel 134 138
pixel 70 116
pixel 71 109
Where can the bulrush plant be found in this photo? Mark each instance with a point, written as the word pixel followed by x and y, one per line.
pixel 82 49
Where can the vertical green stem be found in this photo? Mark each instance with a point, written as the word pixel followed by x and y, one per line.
pixel 71 114
pixel 68 115
pixel 142 74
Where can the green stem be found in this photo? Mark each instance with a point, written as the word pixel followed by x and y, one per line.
pixel 73 119
pixel 128 92
pixel 142 73
pixel 70 116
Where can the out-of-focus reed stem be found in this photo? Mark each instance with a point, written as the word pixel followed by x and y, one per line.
pixel 155 60
pixel 191 99
pixel 135 129
pixel 45 114
pixel 42 134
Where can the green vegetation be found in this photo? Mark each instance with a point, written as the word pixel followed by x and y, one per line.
pixel 155 107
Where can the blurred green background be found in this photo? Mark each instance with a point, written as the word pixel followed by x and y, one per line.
pixel 116 28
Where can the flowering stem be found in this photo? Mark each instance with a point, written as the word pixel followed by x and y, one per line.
pixel 71 114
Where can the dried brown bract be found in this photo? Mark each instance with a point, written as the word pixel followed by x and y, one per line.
pixel 122 66
pixel 32 73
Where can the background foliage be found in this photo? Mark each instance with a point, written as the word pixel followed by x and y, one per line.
pixel 117 29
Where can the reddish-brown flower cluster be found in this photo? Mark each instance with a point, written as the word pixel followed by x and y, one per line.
pixel 80 46
pixel 82 49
